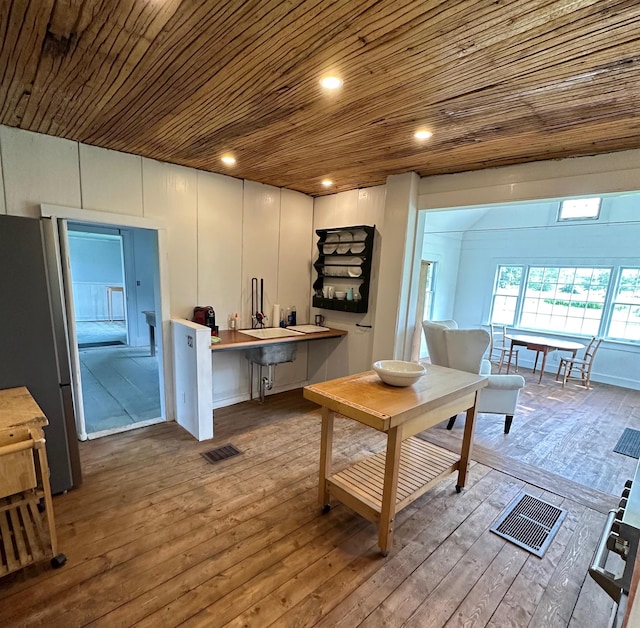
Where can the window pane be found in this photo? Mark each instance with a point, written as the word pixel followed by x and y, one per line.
pixel 567 300
pixel 625 316
pixel 509 279
pixel 504 309
pixel 505 295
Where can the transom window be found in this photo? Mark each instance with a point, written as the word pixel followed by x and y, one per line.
pixel 579 209
pixel 587 301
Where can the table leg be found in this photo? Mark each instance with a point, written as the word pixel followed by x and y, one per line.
pixel 152 340
pixel 535 364
pixel 467 444
pixel 326 450
pixel 510 354
pixel 544 361
pixel 390 489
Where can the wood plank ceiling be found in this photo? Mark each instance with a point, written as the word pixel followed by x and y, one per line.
pixel 497 82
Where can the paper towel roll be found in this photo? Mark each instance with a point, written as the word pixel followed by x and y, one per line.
pixel 275 321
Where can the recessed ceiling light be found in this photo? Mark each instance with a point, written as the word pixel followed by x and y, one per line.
pixel 228 160
pixel 422 134
pixel 331 82
pixel 327 183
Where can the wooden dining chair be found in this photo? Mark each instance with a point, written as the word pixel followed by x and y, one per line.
pixel 583 364
pixel 499 349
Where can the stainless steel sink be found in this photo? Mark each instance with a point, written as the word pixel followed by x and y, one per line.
pixel 272 354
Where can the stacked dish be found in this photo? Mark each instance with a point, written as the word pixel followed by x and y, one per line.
pixel 331 243
pixel 359 237
pixel 346 238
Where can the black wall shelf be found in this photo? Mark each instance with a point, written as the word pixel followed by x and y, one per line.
pixel 344 261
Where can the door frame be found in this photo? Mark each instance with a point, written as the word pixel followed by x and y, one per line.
pixel 137 222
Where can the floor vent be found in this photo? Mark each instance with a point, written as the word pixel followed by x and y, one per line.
pixel 530 523
pixel 221 453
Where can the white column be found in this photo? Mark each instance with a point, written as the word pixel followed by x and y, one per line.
pixel 396 267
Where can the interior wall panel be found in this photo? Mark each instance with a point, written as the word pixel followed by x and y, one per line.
pixel 294 268
pixel 220 211
pixel 38 169
pixel 220 215
pixel 260 241
pixel 170 193
pixel 111 181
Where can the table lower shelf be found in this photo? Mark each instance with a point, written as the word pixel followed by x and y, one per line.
pixel 23 536
pixel 422 465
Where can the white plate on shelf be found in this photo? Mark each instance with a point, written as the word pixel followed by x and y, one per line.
pixel 359 237
pixel 355 271
pixel 346 239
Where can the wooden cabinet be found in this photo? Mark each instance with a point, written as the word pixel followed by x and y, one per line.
pixel 344 262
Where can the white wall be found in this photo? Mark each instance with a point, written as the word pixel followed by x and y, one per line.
pixel 221 231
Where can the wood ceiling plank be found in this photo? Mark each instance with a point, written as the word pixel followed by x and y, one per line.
pixel 183 81
pixel 24 29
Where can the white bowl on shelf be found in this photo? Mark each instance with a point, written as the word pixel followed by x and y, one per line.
pixel 340 294
pixel 398 372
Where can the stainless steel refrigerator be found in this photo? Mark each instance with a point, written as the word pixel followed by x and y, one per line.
pixel 33 340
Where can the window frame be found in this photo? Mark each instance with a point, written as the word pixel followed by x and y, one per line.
pixel 613 302
pixel 516 312
pixel 608 303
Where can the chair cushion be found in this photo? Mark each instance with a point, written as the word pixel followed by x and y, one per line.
pixel 505 382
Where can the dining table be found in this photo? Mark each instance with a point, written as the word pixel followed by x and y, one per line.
pixel 541 345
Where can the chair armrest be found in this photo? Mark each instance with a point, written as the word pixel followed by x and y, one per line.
pixel 505 382
pixel 485 367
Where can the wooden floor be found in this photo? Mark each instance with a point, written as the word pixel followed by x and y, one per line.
pixel 157 536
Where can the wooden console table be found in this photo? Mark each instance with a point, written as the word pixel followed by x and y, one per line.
pixel 24 485
pixel 385 483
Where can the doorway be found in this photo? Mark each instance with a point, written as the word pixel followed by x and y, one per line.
pixel 113 283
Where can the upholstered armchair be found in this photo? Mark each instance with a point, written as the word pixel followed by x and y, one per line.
pixel 463 349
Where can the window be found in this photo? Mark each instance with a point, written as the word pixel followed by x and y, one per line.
pixel 506 293
pixel 625 314
pixel 565 299
pixel 572 300
pixel 579 209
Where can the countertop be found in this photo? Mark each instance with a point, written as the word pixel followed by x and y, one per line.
pixel 233 340
pixel 19 409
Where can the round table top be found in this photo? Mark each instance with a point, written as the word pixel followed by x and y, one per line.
pixel 551 343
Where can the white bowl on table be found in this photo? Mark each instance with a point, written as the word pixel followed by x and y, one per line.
pixel 399 372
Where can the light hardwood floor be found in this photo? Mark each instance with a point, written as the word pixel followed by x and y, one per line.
pixel 158 537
